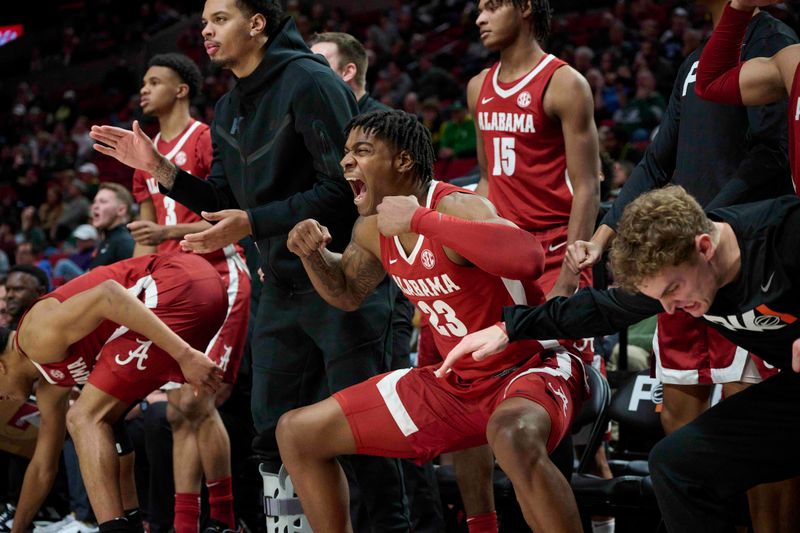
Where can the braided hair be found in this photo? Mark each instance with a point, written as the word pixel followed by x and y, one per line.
pixel 541 16
pixel 403 132
pixel 186 69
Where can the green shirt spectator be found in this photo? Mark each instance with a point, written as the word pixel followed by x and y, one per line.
pixel 458 134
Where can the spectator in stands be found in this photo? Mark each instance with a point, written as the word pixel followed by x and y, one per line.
pixel 399 82
pixel 432 120
pixel 411 103
pixel 51 209
pixel 90 175
pixel 111 211
pixel 25 254
pixel 584 58
pixel 5 318
pixel 649 57
pixel 8 243
pixel 618 42
pixel 647 106
pixel 80 134
pixel 24 284
pixel 30 230
pixel 75 211
pixel 672 39
pixel 436 82
pixel 76 264
pixel 29 186
pixel 621 171
pixel 458 134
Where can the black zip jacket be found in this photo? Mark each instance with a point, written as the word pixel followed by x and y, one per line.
pixel 722 155
pixel 278 137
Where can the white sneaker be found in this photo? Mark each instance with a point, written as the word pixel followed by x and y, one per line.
pixel 80 527
pixel 55 527
pixel 6 517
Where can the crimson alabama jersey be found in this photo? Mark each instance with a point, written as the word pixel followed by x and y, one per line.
pixel 191 151
pixel 457 299
pixel 794 130
pixel 525 156
pixel 183 290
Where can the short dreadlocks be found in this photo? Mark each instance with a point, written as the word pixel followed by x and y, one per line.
pixel 404 132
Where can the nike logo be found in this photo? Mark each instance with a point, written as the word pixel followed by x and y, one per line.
pixel 487 100
pixel 765 288
pixel 554 247
pixel 392 261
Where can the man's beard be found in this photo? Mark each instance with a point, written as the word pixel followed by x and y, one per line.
pixel 224 63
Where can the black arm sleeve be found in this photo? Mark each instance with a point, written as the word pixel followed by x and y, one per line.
pixel 212 194
pixel 764 172
pixel 588 313
pixel 321 109
pixel 658 163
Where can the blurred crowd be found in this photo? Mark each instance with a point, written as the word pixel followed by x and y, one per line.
pixel 421 55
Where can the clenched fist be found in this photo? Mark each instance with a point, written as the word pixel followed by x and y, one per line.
pixel 395 214
pixel 308 237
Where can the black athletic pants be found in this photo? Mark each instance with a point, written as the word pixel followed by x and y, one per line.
pixel 303 351
pixel 750 438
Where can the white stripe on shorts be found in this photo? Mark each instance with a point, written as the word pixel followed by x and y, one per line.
pixel 388 389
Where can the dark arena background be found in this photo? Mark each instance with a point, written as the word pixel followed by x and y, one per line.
pixel 66 66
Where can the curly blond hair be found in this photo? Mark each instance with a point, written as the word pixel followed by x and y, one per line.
pixel 656 230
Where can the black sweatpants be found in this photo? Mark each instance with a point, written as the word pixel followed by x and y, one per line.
pixel 750 438
pixel 303 351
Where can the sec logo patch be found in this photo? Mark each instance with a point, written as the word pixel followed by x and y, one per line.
pixel 428 259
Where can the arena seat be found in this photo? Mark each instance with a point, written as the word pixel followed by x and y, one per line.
pixel 636 407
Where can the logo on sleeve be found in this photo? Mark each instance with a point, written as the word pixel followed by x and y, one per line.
pixel 765 288
pixel 760 319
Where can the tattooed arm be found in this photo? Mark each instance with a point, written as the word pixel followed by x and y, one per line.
pixel 343 280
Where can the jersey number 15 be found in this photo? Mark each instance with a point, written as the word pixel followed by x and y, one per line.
pixel 504 157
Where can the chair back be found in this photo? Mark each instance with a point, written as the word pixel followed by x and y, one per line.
pixel 593 413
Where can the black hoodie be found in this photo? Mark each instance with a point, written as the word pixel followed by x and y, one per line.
pixel 278 137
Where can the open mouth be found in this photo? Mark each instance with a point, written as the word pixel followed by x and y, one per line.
pixel 688 308
pixel 359 189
